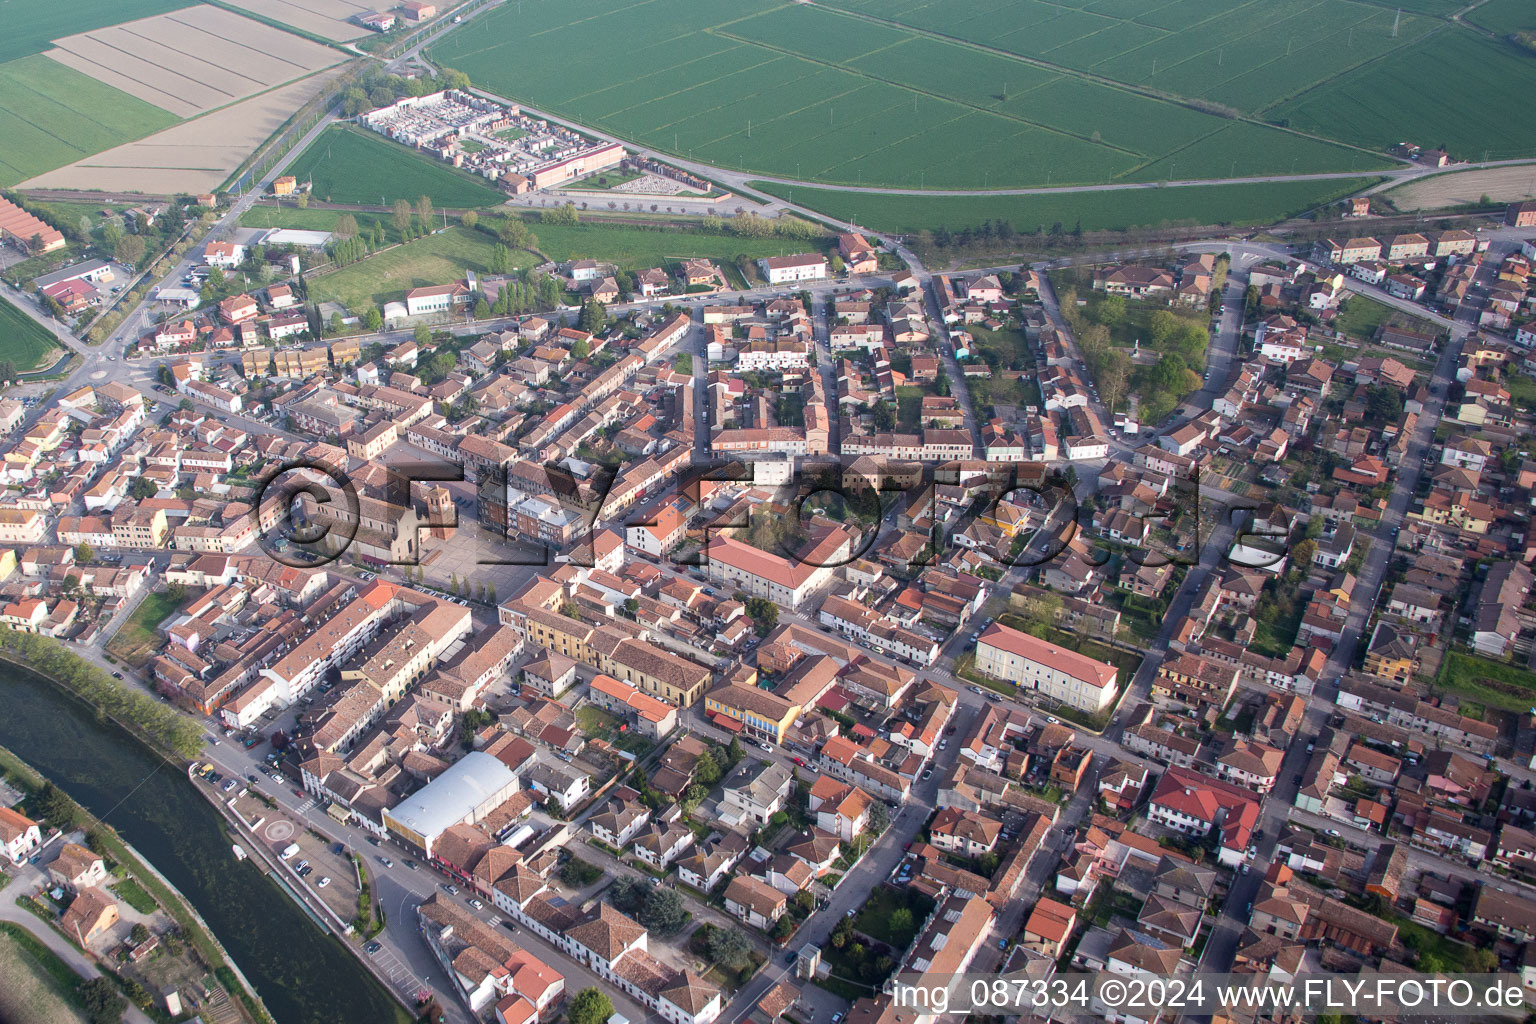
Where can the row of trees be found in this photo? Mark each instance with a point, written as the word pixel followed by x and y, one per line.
pixel 375 88
pixel 161 723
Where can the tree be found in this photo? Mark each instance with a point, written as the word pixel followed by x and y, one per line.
pixel 424 211
pixel 401 216
pixel 482 309
pixel 512 231
pixel 143 488
pixel 1109 310
pixel 592 319
pixel 663 911
pixel 83 552
pixel 423 335
pixel 764 614
pixel 346 226
pixel 590 1006
pixel 706 770
pixel 138 933
pixel 879 817
pixel 729 947
pixel 783 928
pixel 501 258
pixel 565 214
pixel 373 319
pixel 885 419
pixel 338 324
pixel 129 250
pixel 469 219
pixel 54 807
pixel 102 1002
pixel 900 924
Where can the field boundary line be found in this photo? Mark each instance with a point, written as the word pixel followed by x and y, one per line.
pixel 1190 103
pixel 929 94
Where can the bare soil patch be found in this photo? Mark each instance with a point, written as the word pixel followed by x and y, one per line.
pixel 195 156
pixel 1465 188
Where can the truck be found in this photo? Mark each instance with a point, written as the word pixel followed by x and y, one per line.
pixel 290 851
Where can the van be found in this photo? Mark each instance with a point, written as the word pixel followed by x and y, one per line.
pixel 289 851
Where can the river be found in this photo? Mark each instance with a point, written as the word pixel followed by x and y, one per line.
pixel 303 974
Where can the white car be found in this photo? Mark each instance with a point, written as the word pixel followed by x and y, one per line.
pixel 325 880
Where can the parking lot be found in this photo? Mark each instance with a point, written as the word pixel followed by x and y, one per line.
pixel 321 866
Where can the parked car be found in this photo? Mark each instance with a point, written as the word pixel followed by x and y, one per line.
pixel 386 862
pixel 476 903
pixel 372 947
pixel 325 880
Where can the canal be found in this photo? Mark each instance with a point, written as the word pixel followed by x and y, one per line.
pixel 303 974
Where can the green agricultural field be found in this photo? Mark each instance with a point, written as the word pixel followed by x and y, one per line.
pixel 1504 17
pixel 349 165
pixel 1377 105
pixel 51 115
pixel 1236 205
pixel 432 259
pixel 24 342
pixel 911 95
pixel 31 25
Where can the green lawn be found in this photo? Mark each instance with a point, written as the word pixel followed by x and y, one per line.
pixel 1236 205
pixel 134 894
pixel 52 115
pixel 349 165
pixel 138 640
pixel 1361 315
pixel 1492 683
pixel 432 259
pixel 23 341
pixel 605 181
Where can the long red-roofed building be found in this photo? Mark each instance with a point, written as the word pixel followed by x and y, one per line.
pixel 1193 804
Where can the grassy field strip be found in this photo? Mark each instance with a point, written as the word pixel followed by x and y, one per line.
pixel 23 341
pixel 52 115
pixel 349 165
pixel 1259 203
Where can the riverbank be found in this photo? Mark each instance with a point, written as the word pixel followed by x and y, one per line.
pixel 196 931
pixel 302 974
pixel 159 725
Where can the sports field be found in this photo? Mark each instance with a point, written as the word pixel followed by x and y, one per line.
pixel 429 260
pixel 23 341
pixel 1236 205
pixel 354 166
pixel 900 94
pixel 52 115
